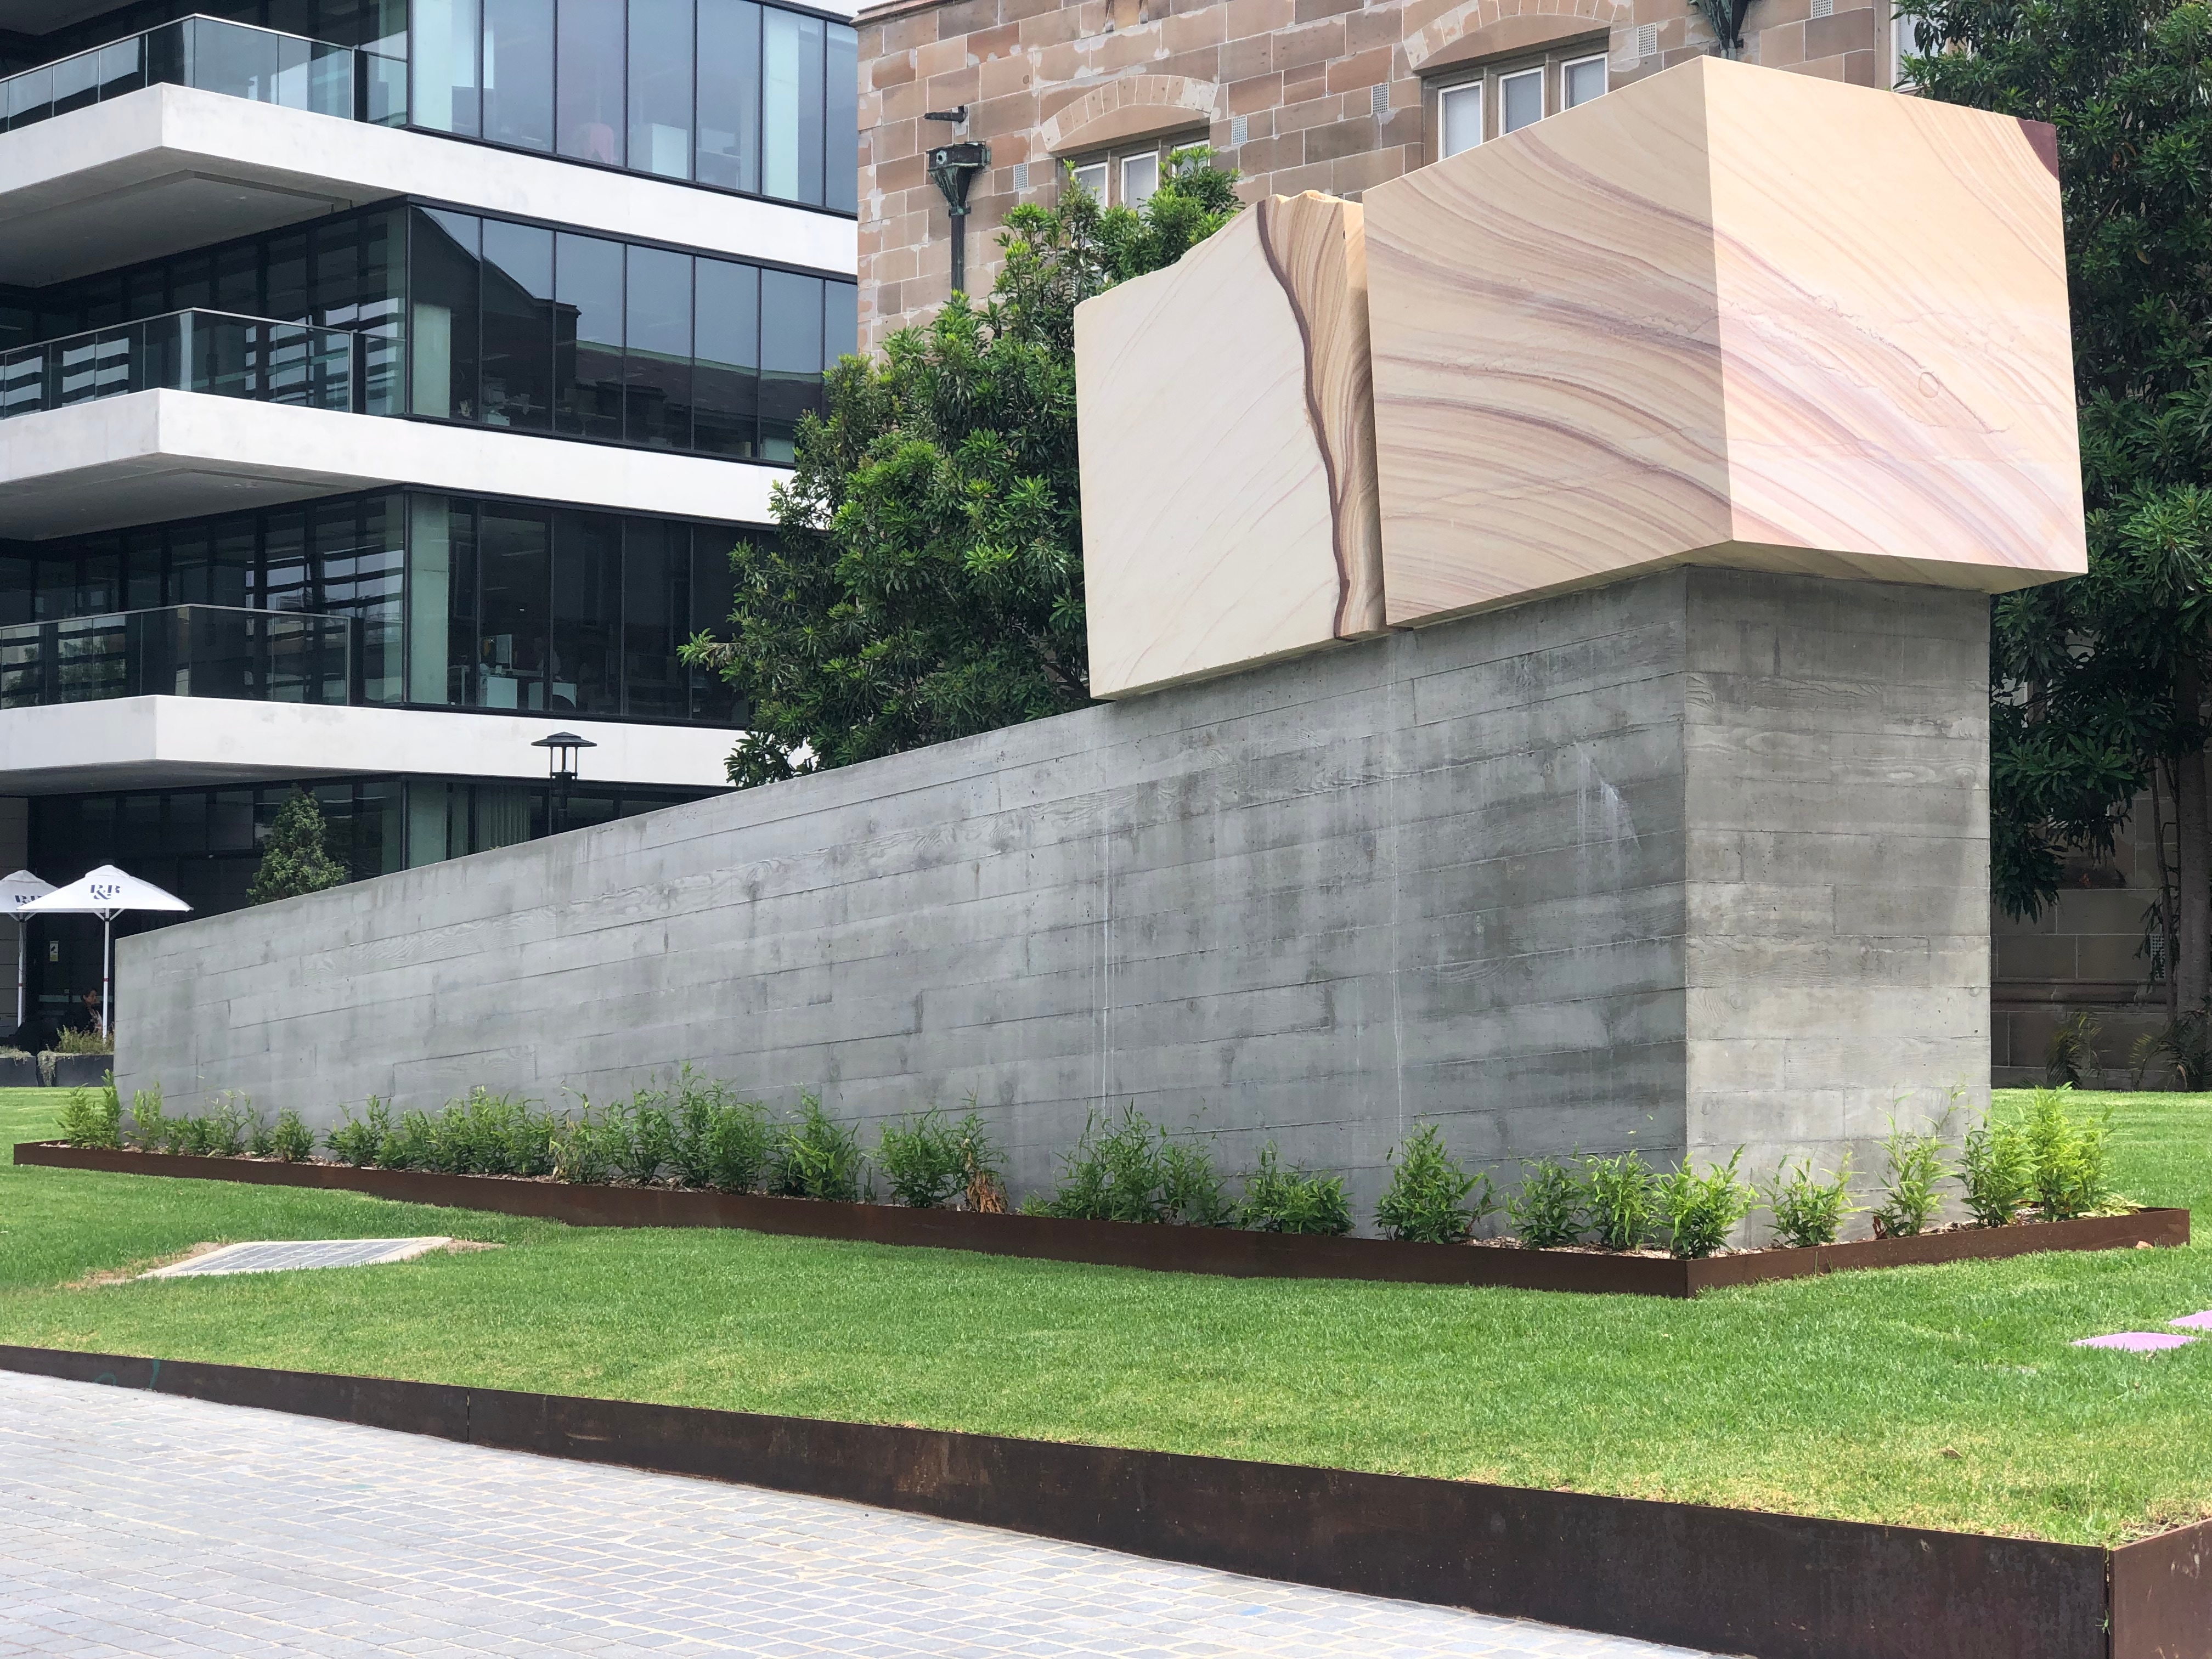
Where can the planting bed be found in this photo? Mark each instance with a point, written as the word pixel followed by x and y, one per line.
pixel 1228 1251
pixel 1739 1581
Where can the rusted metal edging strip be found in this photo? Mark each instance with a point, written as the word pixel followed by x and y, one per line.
pixel 1733 1581
pixel 1225 1251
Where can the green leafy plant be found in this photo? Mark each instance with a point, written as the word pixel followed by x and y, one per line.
pixel 1192 1190
pixel 289 1139
pixel 1619 1200
pixel 581 1150
pixel 1701 1211
pixel 1912 1168
pixel 715 1139
pixel 1292 1200
pixel 359 1140
pixel 295 858
pixel 815 1157
pixel 77 1042
pixel 1996 1166
pixel 923 1159
pixel 1430 1199
pixel 149 1128
pixel 1112 1175
pixel 2069 1157
pixel 638 1136
pixel 1546 1212
pixel 93 1117
pixel 982 1165
pixel 413 1143
pixel 1806 1209
pixel 2070 1057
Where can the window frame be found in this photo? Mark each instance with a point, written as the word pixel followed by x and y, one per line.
pixel 1550 64
pixel 1115 160
pixel 1567 65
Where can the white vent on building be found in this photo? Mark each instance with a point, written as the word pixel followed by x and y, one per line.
pixel 1021 177
pixel 1824 7
pixel 1240 128
pixel 1378 99
pixel 1647 42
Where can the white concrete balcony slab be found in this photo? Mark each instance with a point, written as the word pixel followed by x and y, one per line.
pixel 148 457
pixel 169 167
pixel 158 742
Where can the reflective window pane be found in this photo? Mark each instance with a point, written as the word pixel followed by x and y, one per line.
pixel 584 669
pixel 444 322
pixel 729 94
pixel 518 326
pixel 443 43
pixel 653 618
pixel 587 338
pixel 1520 100
pixel 1582 81
pixel 661 36
pixel 657 357
pixel 790 357
pixel 588 80
pixel 791 98
pixel 1140 177
pixel 518 73
pixel 513 636
pixel 726 377
pixel 1459 117
pixel 841 122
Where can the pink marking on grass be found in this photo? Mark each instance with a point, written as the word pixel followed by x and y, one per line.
pixel 2195 1321
pixel 2136 1342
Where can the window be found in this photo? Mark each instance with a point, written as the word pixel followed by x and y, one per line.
pixel 1904 42
pixel 1140 177
pixel 1582 81
pixel 1520 100
pixel 1459 116
pixel 1090 178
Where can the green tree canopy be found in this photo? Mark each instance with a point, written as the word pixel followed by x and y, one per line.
pixel 927 582
pixel 294 858
pixel 2099 685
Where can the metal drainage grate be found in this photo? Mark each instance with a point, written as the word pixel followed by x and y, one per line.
pixel 276 1256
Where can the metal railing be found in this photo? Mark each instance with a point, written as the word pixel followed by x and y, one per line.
pixel 179 651
pixel 239 59
pixel 210 351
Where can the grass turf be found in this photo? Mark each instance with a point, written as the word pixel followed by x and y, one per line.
pixel 1843 1396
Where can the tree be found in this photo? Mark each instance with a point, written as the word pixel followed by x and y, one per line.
pixel 294 859
pixel 2099 685
pixel 927 582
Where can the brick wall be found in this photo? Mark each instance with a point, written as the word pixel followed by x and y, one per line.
pixel 1295 80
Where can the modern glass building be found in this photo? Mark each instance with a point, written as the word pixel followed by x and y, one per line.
pixel 383 385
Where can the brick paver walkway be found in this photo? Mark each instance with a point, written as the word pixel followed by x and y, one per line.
pixel 139 1523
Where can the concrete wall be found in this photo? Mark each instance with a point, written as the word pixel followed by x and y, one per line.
pixel 1699 858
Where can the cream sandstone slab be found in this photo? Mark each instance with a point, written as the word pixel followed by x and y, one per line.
pixel 1225 426
pixel 1724 316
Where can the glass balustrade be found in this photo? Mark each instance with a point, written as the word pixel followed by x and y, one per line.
pixel 238 60
pixel 210 351
pixel 179 651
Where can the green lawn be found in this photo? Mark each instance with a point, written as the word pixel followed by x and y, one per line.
pixel 1841 1396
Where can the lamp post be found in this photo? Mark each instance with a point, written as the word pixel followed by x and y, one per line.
pixel 952 169
pixel 561 749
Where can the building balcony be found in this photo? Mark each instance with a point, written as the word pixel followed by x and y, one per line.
pixel 204 351
pixel 180 651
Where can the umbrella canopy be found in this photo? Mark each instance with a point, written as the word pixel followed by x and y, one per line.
pixel 16 891
pixel 105 892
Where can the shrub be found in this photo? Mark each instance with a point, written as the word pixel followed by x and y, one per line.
pixel 1192 1190
pixel 920 1157
pixel 638 1136
pixel 1547 1211
pixel 412 1145
pixel 815 1157
pixel 1808 1212
pixel 225 1130
pixel 148 1128
pixel 1996 1166
pixel 715 1139
pixel 2068 1158
pixel 1701 1211
pixel 1293 1201
pixel 1135 1170
pixel 359 1140
pixel 2070 1057
pixel 1619 1200
pixel 84 1042
pixel 1913 1165
pixel 291 1141
pixel 982 1165
pixel 93 1117
pixel 581 1148
pixel 1431 1199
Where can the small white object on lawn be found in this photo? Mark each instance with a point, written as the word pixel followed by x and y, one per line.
pixel 283 1255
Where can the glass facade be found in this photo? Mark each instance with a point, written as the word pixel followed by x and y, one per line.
pixel 451 602
pixel 725 93
pixel 204 845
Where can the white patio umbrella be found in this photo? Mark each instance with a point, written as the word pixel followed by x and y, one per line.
pixel 16 891
pixel 105 892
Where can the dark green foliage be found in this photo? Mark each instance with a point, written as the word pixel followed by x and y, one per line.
pixel 359 1140
pixel 294 859
pixel 1996 1166
pixel 1808 1211
pixel 815 1157
pixel 291 1141
pixel 1913 1168
pixel 1619 1200
pixel 1133 1170
pixel 1192 1190
pixel 148 1130
pixel 2097 684
pixel 923 1160
pixel 1430 1199
pixel 2070 1056
pixel 927 582
pixel 638 1136
pixel 1701 1211
pixel 93 1117
pixel 2069 1157
pixel 411 1145
pixel 2180 1053
pixel 582 1147
pixel 715 1139
pixel 982 1165
pixel 1292 1200
pixel 1547 1211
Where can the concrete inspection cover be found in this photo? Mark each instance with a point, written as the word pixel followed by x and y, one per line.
pixel 282 1256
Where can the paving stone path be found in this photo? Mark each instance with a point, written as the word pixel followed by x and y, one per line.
pixel 143 1524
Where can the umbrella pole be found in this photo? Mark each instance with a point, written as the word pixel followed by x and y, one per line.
pixel 107 925
pixel 21 928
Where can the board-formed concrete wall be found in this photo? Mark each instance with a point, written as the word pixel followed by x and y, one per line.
pixel 1699 859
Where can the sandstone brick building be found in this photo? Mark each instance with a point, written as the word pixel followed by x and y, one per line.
pixel 1297 95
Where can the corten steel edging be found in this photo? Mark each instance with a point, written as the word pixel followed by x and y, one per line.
pixel 1776 1586
pixel 1231 1252
pixel 2161 1595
